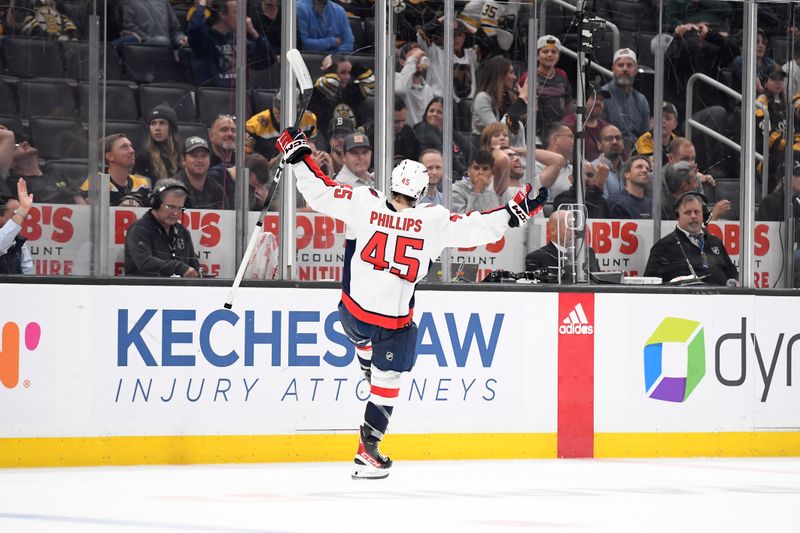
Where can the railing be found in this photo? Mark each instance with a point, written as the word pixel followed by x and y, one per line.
pixel 691 123
pixel 570 7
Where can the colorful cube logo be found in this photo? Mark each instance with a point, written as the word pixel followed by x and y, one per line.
pixel 681 331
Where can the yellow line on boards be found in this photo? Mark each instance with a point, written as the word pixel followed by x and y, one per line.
pixel 722 444
pixel 214 449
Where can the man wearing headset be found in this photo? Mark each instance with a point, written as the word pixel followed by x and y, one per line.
pixel 157 244
pixel 690 253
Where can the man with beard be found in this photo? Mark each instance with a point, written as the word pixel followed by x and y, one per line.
pixel 611 154
pixel 125 189
pixel 222 136
pixel 46 188
pixel 627 108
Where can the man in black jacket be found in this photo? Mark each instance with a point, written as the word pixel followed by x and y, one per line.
pixel 561 235
pixel 689 252
pixel 157 244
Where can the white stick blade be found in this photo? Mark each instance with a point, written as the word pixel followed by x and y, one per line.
pixel 300 70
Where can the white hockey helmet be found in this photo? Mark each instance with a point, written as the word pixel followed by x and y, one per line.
pixel 410 178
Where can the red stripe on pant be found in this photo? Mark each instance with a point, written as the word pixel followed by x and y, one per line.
pixel 576 375
pixel 383 392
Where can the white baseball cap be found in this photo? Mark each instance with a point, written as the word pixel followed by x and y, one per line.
pixel 624 52
pixel 548 40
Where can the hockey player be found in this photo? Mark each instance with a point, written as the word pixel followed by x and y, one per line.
pixel 390 245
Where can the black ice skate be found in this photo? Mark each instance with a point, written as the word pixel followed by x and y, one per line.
pixel 370 462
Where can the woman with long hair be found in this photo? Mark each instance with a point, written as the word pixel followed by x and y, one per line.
pixel 161 157
pixel 497 99
pixel 429 135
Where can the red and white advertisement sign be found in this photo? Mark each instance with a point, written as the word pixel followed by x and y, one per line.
pixel 59 240
pixel 575 374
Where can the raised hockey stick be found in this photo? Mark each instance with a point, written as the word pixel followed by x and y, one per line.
pixel 306 86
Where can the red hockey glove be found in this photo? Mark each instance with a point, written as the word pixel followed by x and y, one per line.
pixel 293 144
pixel 523 206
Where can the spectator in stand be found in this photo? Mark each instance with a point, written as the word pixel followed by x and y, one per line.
pixel 716 13
pixel 263 129
pixel 15 256
pixel 771 207
pixel 46 188
pixel 792 70
pixel 498 100
pixel 434 163
pixel 206 186
pixel 479 191
pixel 494 134
pixel 126 189
pixel 509 162
pixel 7 142
pixel 406 145
pixel 561 237
pixel 476 192
pixel 323 27
pixel 560 140
pixel 697 48
pixel 554 100
pixel 410 83
pixel 222 136
pixel 160 158
pixel 594 184
pixel 267 21
pixel 150 22
pixel 357 159
pixel 669 122
pixel 679 178
pixel 627 108
pixel 764 63
pixel 340 128
pixel 632 202
pixel 44 20
pixel 682 149
pixel 213 44
pixel 594 123
pixel 465 60
pixel 341 91
pixel 691 245
pixel 429 135
pixel 157 244
pixel 260 169
pixel 612 151
pixel 774 99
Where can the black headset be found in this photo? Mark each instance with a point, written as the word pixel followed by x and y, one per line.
pixel 703 203
pixel 157 196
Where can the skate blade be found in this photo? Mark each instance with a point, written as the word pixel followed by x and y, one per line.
pixel 371 473
pixel 365 471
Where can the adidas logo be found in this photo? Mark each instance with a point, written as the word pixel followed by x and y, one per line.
pixel 576 323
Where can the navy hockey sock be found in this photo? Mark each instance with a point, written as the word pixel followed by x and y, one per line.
pixel 376 417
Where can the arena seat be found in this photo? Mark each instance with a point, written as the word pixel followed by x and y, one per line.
pixel 75 170
pixel 32 58
pixel 727 190
pixel 47 98
pixel 76 61
pixel 146 63
pixel 265 78
pixel 120 100
pixel 179 96
pixel 192 129
pixel 7 100
pixel 214 101
pixel 357 27
pixel 58 138
pixel 262 99
pixel 13 123
pixel 132 129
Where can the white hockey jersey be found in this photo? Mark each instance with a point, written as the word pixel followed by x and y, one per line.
pixel 387 252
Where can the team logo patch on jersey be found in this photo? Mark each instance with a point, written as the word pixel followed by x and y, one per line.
pixel 715 249
pixel 389 356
